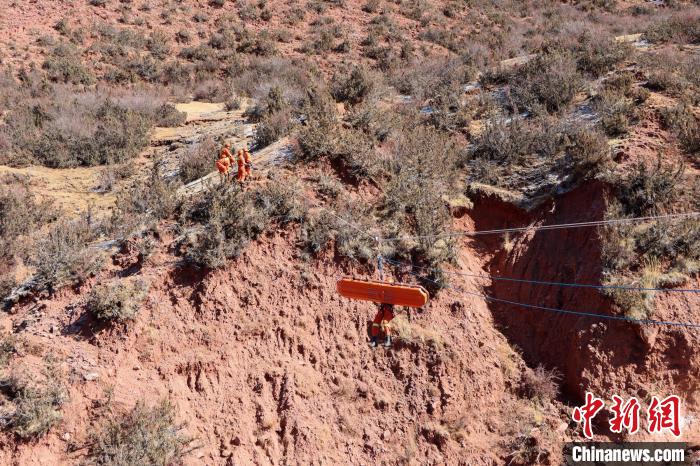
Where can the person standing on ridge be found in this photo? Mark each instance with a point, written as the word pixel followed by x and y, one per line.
pixel 248 162
pixel 223 164
pixel 241 167
pixel 382 322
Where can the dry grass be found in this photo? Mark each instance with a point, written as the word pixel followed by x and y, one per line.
pixel 142 436
pixel 228 218
pixel 413 333
pixel 117 301
pixel 33 404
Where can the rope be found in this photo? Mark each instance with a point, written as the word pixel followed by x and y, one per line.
pixel 540 282
pixel 566 311
pixel 546 227
pixel 545 308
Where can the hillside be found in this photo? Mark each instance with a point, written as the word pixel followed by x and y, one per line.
pixel 155 315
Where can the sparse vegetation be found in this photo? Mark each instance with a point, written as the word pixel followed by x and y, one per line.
pixel 142 436
pixel 227 219
pixel 655 254
pixel 118 301
pixel 33 404
pixel 540 384
pixel 198 160
pixel 686 126
pixel 61 256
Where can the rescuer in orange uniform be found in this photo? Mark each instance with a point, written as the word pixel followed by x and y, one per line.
pixel 248 162
pixel 381 323
pixel 223 164
pixel 241 167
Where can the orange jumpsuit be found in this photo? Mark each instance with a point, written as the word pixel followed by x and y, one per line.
pixel 222 165
pixel 246 157
pixel 382 320
pixel 241 167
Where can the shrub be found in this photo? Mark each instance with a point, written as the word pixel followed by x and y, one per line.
pixel 651 254
pixel 540 384
pixel 271 128
pixel 64 65
pixel 616 112
pixel 36 402
pixel 371 6
pixel 158 44
pixel 20 214
pixel 588 151
pixel 8 346
pixel 142 436
pixel 61 256
pixel 66 129
pixel 231 218
pixel 415 193
pixel 598 55
pixel 650 189
pixel 167 115
pixel 685 125
pixel 118 301
pixel 200 17
pixel 353 86
pixel 198 160
pixel 682 28
pixel 535 158
pixel 147 199
pixel 110 175
pixel 549 82
pixel 512 143
pixel 183 36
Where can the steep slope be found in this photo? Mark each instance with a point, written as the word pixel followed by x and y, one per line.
pixel 265 363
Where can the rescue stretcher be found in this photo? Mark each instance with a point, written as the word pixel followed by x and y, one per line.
pixel 399 294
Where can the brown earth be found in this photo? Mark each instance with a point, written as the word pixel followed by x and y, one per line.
pixel 266 364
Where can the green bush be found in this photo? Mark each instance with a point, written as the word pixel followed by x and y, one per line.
pixel 118 301
pixel 142 436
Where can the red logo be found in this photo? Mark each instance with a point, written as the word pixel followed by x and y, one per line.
pixel 587 412
pixel 661 415
pixel 664 415
pixel 624 415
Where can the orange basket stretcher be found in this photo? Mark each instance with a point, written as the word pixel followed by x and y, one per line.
pixel 398 294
